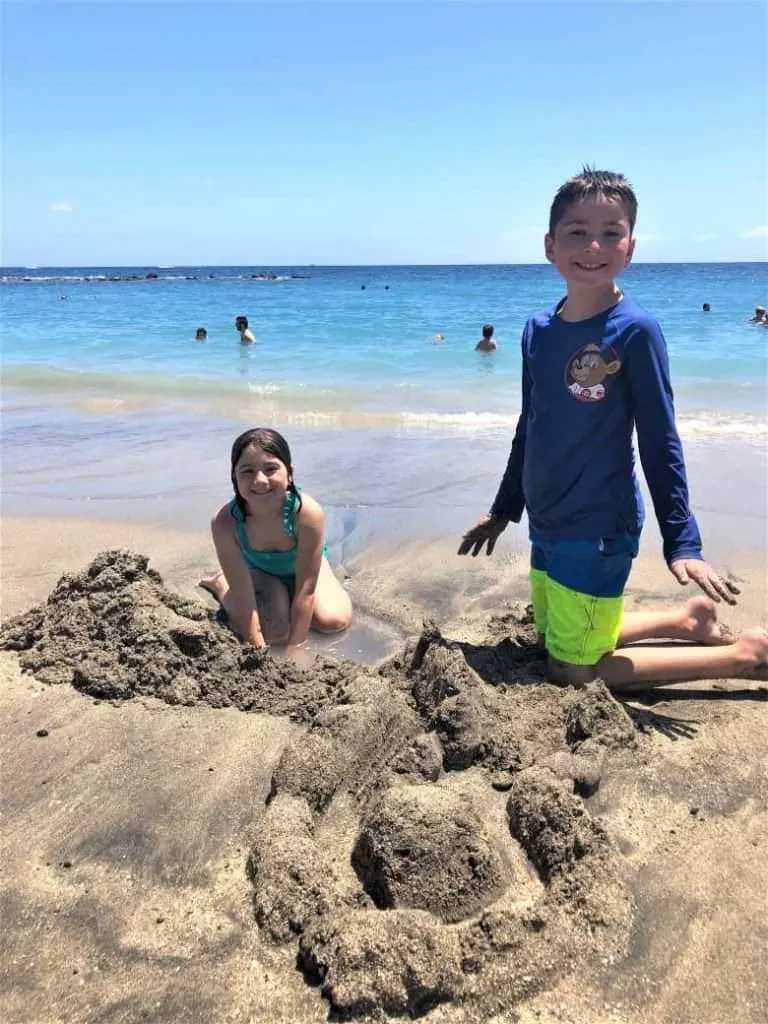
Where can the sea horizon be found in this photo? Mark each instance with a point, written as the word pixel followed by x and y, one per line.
pixel 348 266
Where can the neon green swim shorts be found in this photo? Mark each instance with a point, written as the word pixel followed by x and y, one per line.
pixel 577 590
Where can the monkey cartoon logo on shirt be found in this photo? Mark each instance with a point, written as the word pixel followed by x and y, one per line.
pixel 587 370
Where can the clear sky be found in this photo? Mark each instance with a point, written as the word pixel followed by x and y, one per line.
pixel 374 132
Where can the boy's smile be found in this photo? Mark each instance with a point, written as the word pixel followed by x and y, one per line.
pixel 592 242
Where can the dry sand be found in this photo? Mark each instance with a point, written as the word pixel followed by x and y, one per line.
pixel 187 837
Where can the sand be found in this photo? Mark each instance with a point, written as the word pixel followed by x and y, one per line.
pixel 193 832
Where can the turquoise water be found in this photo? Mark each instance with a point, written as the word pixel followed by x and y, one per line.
pixel 333 353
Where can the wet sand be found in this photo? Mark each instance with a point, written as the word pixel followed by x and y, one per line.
pixel 364 840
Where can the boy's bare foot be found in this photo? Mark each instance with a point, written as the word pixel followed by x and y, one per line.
pixel 216 585
pixel 751 649
pixel 699 625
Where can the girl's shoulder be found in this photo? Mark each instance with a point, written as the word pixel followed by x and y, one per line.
pixel 310 513
pixel 223 518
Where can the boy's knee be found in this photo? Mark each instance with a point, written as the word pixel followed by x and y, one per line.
pixel 572 675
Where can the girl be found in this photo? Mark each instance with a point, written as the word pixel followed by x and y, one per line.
pixel 275 581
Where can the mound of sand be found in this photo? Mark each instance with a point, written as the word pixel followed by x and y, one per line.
pixel 425 840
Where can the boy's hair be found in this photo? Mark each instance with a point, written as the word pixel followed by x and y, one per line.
pixel 201 333
pixel 271 442
pixel 241 321
pixel 487 330
pixel 592 182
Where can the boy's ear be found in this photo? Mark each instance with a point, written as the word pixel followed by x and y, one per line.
pixel 630 252
pixel 549 248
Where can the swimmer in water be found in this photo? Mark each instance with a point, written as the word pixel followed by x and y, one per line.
pixel 246 335
pixel 487 343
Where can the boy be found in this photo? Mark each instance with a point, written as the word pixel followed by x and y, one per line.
pixel 487 343
pixel 595 367
pixel 246 334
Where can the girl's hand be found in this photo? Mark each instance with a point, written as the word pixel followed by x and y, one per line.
pixel 702 573
pixel 300 655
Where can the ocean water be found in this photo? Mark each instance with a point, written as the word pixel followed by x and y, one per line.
pixel 353 347
pixel 112 410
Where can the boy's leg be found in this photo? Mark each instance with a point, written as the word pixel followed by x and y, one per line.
pixel 569 662
pixel 695 621
pixel 746 658
pixel 586 625
pixel 584 630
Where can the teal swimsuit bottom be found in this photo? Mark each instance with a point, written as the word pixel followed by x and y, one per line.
pixel 276 563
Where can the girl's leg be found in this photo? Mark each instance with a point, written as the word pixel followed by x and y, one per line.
pixel 333 608
pixel 695 621
pixel 273 602
pixel 273 605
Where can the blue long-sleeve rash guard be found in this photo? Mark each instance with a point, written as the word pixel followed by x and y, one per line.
pixel 586 386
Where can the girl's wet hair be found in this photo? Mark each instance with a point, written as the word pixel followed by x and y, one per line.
pixel 271 442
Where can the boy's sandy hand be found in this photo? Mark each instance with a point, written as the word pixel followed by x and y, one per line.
pixel 702 573
pixel 486 531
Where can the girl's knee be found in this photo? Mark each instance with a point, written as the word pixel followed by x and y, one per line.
pixel 332 622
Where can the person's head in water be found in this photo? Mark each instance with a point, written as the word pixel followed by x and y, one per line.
pixel 487 343
pixel 261 469
pixel 201 334
pixel 241 323
pixel 760 315
pixel 706 307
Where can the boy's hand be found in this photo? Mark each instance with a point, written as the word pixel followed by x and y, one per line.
pixel 702 573
pixel 486 531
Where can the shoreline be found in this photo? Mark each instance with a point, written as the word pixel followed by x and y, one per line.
pixel 395 584
pixel 376 486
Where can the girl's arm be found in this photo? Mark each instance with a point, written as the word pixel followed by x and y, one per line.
pixel 242 598
pixel 310 525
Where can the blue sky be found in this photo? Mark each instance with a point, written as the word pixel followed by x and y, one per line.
pixel 363 132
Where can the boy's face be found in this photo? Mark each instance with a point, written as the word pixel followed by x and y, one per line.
pixel 592 243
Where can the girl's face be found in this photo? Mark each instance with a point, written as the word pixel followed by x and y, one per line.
pixel 262 479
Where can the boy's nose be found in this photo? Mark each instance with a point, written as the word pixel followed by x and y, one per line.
pixel 593 244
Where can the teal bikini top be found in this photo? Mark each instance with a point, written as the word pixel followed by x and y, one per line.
pixel 276 563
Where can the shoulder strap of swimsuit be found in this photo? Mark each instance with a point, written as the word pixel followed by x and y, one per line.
pixel 290 506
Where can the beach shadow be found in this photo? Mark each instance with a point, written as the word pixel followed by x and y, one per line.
pixel 647 719
pixel 669 726
pixel 665 694
pixel 511 662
